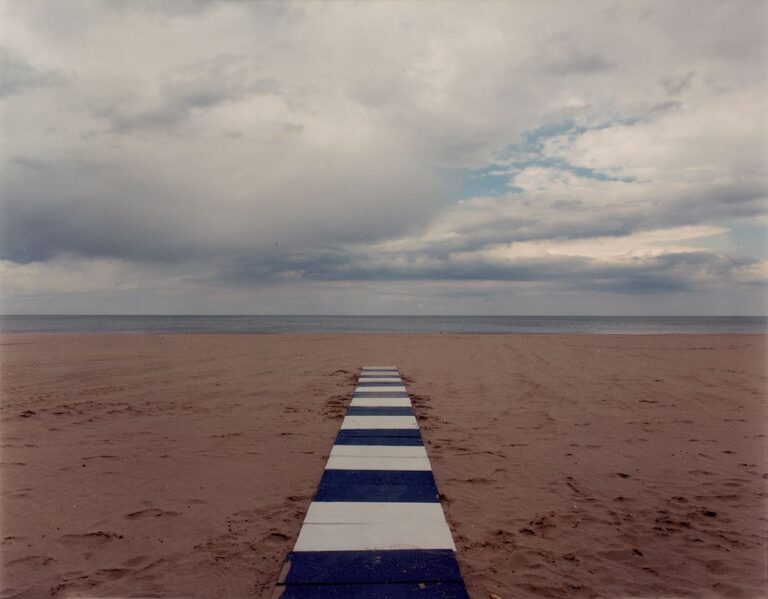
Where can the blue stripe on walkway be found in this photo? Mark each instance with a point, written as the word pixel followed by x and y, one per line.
pixel 349 433
pixel 391 441
pixel 401 565
pixel 371 411
pixel 377 485
pixel 429 590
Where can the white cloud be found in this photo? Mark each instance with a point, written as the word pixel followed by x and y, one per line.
pixel 652 243
pixel 717 138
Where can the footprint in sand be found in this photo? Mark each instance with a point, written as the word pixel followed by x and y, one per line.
pixel 99 537
pixel 275 538
pixel 151 513
pixel 11 540
pixel 112 573
pixel 36 561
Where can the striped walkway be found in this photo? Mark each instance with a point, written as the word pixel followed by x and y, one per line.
pixel 376 528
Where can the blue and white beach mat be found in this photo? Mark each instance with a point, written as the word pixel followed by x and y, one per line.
pixel 376 528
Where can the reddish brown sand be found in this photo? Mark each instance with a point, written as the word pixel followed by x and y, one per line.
pixel 572 466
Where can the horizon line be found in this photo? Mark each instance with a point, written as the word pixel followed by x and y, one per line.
pixel 209 315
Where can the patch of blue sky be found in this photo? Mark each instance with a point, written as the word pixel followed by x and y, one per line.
pixel 585 172
pixel 497 178
pixel 486 181
pixel 534 137
pixel 739 240
pixel 749 239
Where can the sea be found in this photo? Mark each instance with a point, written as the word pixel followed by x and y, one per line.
pixel 298 325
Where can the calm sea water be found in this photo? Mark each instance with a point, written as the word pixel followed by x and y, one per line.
pixel 383 324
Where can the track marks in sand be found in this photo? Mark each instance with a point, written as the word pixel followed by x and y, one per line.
pixel 226 436
pixel 78 582
pixel 335 407
pixel 151 513
pixel 98 537
pixel 620 528
pixel 31 561
pixel 239 547
pixel 102 457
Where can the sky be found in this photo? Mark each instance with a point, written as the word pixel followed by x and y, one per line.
pixel 201 157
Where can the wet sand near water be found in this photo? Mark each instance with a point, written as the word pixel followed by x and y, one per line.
pixel 571 465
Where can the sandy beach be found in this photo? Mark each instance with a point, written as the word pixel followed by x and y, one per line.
pixel 571 466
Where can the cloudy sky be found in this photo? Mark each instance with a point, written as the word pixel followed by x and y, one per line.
pixel 383 158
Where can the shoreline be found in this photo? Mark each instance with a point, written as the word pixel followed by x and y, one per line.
pixel 362 333
pixel 303 325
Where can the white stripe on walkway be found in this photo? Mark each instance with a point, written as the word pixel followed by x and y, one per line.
pixel 377 463
pixel 363 422
pixel 430 533
pixel 379 368
pixel 380 373
pixel 371 512
pixel 390 389
pixel 373 379
pixel 380 402
pixel 384 451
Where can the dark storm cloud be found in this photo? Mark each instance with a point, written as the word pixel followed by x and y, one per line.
pixel 670 272
pixel 38 230
pixel 86 208
pixel 707 204
pixel 718 202
pixel 17 75
pixel 97 209
pixel 43 219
